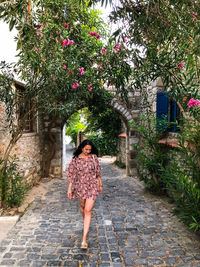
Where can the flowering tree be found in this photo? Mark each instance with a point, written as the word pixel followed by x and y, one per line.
pixel 163 42
pixel 62 58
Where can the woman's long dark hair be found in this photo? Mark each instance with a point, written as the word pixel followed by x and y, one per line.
pixel 86 142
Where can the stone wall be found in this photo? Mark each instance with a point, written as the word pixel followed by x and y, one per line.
pixel 26 150
pixel 121 155
pixel 52 145
pixel 129 113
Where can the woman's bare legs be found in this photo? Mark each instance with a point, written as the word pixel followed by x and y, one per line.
pixel 82 206
pixel 89 203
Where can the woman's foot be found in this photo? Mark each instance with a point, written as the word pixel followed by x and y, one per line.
pixel 84 245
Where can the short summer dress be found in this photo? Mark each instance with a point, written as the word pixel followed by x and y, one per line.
pixel 84 175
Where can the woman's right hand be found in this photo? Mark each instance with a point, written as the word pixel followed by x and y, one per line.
pixel 69 193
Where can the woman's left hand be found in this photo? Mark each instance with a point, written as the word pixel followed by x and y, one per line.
pixel 101 189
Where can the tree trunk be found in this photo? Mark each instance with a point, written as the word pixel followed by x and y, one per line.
pixel 51 149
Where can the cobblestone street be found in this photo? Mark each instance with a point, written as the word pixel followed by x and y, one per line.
pixel 129 228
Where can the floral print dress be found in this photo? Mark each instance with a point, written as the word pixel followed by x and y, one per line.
pixel 84 174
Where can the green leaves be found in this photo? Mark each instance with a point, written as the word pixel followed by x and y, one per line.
pixel 12 24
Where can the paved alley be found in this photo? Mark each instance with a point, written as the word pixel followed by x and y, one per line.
pixel 129 228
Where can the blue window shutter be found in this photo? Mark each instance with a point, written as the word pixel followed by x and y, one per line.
pixel 162 104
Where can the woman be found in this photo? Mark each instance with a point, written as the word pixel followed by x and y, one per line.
pixel 85 183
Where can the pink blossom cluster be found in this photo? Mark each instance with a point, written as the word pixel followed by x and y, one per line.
pixel 181 65
pixel 75 85
pixel 66 25
pixel 81 70
pixel 117 47
pixel 95 34
pixel 36 48
pixel 103 50
pixel 38 29
pixel 67 42
pixel 194 14
pixel 125 40
pixel 64 67
pixel 90 87
pixel 192 103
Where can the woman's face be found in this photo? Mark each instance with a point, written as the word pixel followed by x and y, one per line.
pixel 86 150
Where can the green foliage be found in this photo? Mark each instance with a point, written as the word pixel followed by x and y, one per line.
pixel 12 186
pixel 74 125
pixel 183 190
pixel 173 172
pixel 103 143
pixel 151 156
pixel 120 164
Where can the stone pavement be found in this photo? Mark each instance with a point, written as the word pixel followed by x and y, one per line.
pixel 129 228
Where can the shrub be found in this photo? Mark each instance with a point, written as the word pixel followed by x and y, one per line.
pixel 105 145
pixel 151 155
pixel 174 172
pixel 12 186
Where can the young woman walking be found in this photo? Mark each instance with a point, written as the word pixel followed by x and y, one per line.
pixel 85 183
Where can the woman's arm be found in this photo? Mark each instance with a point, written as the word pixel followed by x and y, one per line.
pixel 69 193
pixel 100 186
pixel 71 176
pixel 98 173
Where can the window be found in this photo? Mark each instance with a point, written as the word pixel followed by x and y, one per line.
pixel 168 112
pixel 24 108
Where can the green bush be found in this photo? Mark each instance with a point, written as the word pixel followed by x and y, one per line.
pixel 174 172
pixel 12 186
pixel 104 145
pixel 184 193
pixel 74 125
pixel 151 156
pixel 120 164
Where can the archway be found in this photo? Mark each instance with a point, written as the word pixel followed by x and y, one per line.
pixel 128 112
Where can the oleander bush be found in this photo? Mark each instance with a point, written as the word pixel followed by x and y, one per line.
pixel 173 172
pixel 12 186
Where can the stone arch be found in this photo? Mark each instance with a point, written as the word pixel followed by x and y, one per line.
pixel 129 112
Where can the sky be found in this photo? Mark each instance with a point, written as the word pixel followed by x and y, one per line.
pixel 7 44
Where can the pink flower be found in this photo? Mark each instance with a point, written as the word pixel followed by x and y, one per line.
pixel 90 89
pixel 64 67
pixel 67 26
pixel 81 71
pixel 194 14
pixel 65 42
pixel 117 47
pixel 103 50
pixel 75 85
pixel 95 34
pixel 125 40
pixel 181 65
pixel 192 103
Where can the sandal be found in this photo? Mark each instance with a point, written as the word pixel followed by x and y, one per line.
pixel 84 245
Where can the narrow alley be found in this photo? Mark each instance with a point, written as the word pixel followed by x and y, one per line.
pixel 129 228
